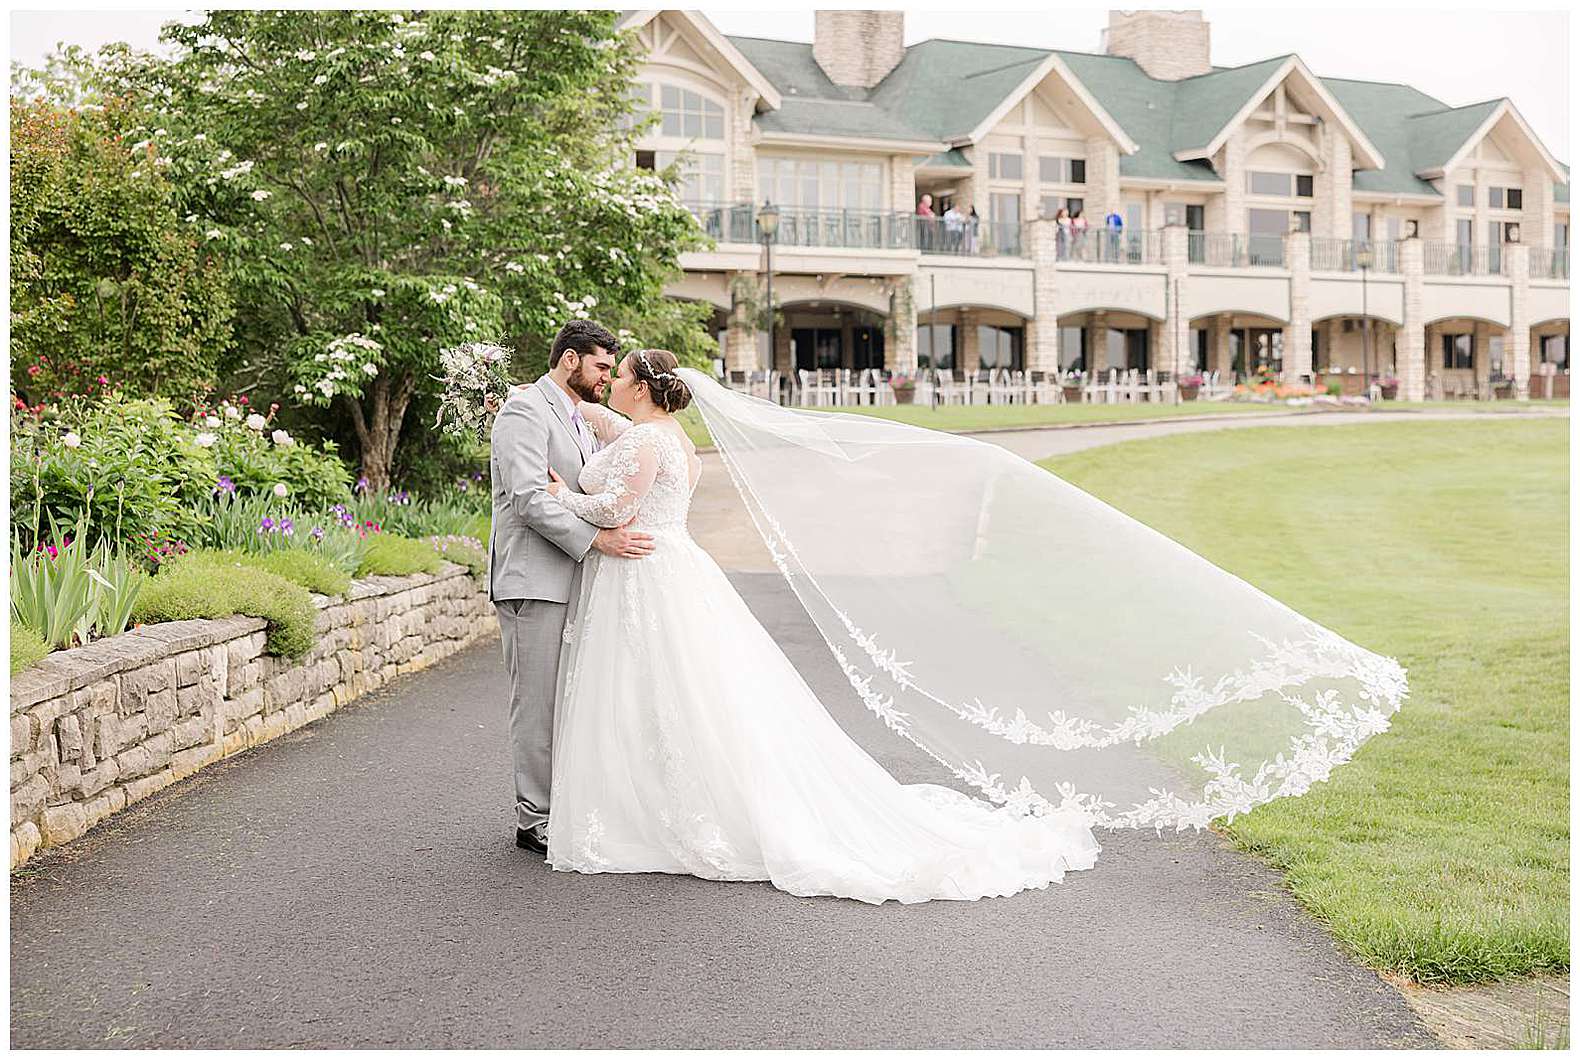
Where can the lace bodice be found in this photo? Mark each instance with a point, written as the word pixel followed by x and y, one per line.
pixel 644 471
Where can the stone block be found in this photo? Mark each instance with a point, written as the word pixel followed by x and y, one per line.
pixel 22 733
pixel 143 787
pixel 62 824
pixel 159 710
pixel 68 734
pixel 196 701
pixel 28 798
pixel 25 840
pixel 186 762
pixel 193 731
pixel 139 684
pixel 135 761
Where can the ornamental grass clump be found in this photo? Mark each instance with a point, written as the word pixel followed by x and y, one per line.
pixel 27 647
pixel 398 556
pixel 302 566
pixel 209 585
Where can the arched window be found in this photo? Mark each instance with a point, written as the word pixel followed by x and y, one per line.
pixel 689 114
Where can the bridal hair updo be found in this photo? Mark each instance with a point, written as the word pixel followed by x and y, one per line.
pixel 656 368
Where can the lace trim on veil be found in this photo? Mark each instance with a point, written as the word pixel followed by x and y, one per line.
pixel 1334 728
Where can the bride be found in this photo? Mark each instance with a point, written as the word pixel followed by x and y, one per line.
pixel 686 742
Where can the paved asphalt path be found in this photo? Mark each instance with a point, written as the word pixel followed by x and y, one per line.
pixel 354 884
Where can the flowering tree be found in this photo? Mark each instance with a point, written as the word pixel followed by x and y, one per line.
pixel 392 184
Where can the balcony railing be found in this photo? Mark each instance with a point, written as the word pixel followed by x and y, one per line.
pixel 934 235
pixel 1340 255
pixel 1111 246
pixel 1549 263
pixel 1232 250
pixel 798 227
pixel 1458 259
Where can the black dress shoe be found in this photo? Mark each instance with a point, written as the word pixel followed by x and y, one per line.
pixel 532 841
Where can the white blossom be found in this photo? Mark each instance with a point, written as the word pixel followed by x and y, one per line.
pixel 259 195
pixel 212 233
pixel 255 421
pixel 321 145
pixel 211 421
pixel 205 439
pixel 280 490
pixel 72 440
pixel 232 412
pixel 370 369
pixel 282 438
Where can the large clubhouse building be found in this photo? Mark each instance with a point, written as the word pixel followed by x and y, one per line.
pixel 1247 221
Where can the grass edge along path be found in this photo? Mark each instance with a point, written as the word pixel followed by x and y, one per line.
pixel 1441 852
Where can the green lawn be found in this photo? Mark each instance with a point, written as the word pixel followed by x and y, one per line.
pixel 990 417
pixel 1442 851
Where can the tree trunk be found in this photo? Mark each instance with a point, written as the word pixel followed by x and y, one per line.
pixel 377 418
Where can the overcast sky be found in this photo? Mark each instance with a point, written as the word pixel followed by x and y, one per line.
pixel 1457 56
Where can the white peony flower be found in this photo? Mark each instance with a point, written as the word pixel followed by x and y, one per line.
pixel 72 440
pixel 211 421
pixel 282 438
pixel 232 412
pixel 206 439
pixel 255 421
pixel 280 490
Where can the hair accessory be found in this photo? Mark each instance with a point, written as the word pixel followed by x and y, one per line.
pixel 649 366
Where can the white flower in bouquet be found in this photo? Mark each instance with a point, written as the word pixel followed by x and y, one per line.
pixel 473 372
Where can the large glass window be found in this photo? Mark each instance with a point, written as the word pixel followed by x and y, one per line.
pixel 1304 185
pixel 690 114
pixel 1006 208
pixel 1466 194
pixel 1072 349
pixel 812 184
pixel 1560 235
pixel 1505 198
pixel 702 175
pixel 1459 351
pixel 1001 347
pixel 1058 170
pixel 935 346
pixel 1004 166
pixel 1127 348
pixel 1282 185
pixel 1361 227
pixel 1555 350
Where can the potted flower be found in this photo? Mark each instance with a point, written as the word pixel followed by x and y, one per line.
pixel 1073 382
pixel 1390 386
pixel 904 385
pixel 1190 386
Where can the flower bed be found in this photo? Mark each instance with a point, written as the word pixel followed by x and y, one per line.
pixel 97 728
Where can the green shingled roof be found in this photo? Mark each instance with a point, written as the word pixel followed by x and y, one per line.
pixel 1437 136
pixel 944 89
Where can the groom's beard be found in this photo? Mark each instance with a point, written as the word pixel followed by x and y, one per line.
pixel 586 389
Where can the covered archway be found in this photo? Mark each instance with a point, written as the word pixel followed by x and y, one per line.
pixel 822 334
pixel 1096 340
pixel 1549 374
pixel 1352 351
pixel 966 340
pixel 1239 346
pixel 1468 357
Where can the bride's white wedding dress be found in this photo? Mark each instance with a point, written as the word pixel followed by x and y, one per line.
pixel 686 742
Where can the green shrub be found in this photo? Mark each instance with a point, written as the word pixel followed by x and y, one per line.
pixel 399 556
pixel 202 585
pixel 312 474
pixel 302 566
pixel 467 551
pixel 27 647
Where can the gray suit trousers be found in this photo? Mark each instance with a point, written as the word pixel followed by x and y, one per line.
pixel 531 631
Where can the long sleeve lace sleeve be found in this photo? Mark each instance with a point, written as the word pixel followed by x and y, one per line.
pixel 605 422
pixel 634 469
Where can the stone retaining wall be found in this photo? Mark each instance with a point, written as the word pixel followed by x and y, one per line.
pixel 97 728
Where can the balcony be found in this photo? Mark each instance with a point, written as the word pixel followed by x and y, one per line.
pixel 1339 255
pixel 798 227
pixel 1457 259
pixel 1111 246
pixel 984 239
pixel 1550 263
pixel 1230 250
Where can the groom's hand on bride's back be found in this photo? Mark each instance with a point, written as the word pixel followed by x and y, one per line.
pixel 623 542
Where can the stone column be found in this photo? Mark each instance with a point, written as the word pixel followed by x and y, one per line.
pixel 743 154
pixel 899 331
pixel 1218 344
pixel 970 358
pixel 1102 180
pixel 1232 166
pixel 1042 331
pixel 1331 205
pixel 1097 342
pixel 1517 346
pixel 902 184
pixel 1297 335
pixel 1172 346
pixel 1410 342
pixel 740 338
pixel 783 364
pixel 1541 216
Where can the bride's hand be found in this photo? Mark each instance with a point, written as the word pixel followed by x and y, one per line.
pixel 555 483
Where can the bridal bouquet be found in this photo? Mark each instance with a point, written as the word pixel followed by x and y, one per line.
pixel 473 373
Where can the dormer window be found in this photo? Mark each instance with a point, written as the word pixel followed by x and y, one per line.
pixel 1280 185
pixel 1505 198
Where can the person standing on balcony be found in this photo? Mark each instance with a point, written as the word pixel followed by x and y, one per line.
pixel 1078 234
pixel 925 219
pixel 973 231
pixel 1115 224
pixel 1062 242
pixel 954 228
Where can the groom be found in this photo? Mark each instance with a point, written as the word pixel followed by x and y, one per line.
pixel 536 546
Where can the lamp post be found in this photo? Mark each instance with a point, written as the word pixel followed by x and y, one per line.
pixel 1363 259
pixel 768 225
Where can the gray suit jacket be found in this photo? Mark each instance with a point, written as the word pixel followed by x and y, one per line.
pixel 535 543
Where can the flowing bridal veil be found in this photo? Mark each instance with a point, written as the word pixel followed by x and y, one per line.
pixel 1043 646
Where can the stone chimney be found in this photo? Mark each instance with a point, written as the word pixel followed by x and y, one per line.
pixel 1168 45
pixel 857 49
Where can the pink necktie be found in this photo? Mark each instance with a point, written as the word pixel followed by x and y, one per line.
pixel 581 428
